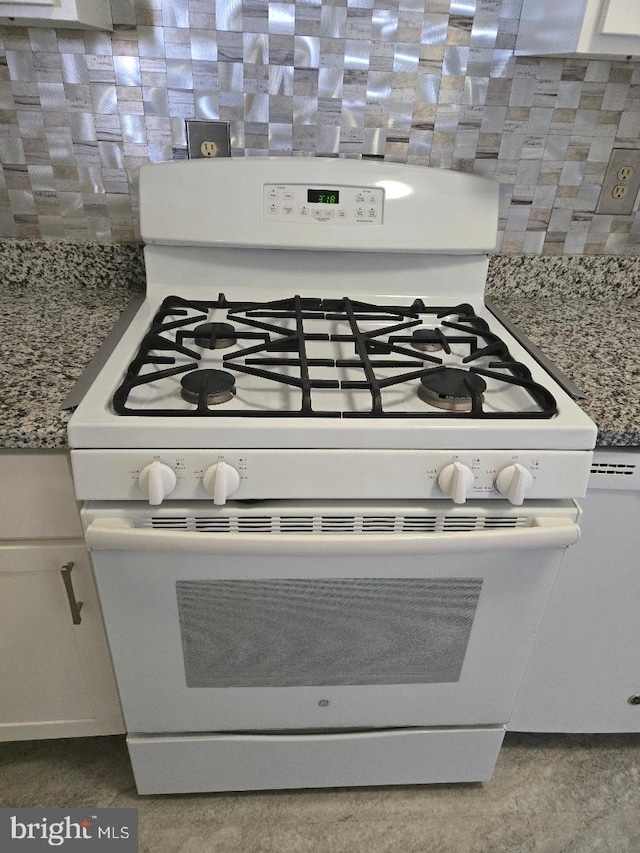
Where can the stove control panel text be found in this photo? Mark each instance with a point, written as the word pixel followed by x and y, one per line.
pixel 323 205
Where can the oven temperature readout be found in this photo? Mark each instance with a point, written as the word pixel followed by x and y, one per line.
pixel 323 205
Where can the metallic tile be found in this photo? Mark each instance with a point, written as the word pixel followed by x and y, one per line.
pixel 282 18
pixel 304 110
pixel 21 65
pixel 133 128
pixel 307 52
pixel 333 22
pixel 255 48
pixel 127 70
pixel 279 137
pixel 175 13
pixel 231 77
pixel 228 15
pixel 151 42
pixel 280 80
pixel 179 74
pixel 155 100
pixel 406 57
pixel 43 40
pixel 11 151
pixel 330 82
pixel 74 68
pixel 256 108
pixel 384 24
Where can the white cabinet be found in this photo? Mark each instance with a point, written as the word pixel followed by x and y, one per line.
pixel 604 28
pixel 56 678
pixel 584 671
pixel 89 14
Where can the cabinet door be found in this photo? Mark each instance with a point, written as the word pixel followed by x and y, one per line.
pixel 37 499
pixel 584 671
pixel 602 28
pixel 57 13
pixel 621 18
pixel 56 678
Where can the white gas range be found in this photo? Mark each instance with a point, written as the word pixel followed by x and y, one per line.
pixel 329 491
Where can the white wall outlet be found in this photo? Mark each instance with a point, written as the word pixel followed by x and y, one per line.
pixel 208 139
pixel 621 182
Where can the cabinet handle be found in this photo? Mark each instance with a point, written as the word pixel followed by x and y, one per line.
pixel 74 605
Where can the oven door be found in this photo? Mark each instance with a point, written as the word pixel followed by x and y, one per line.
pixel 221 622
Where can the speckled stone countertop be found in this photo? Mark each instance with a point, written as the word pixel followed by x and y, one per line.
pixel 60 301
pixel 584 314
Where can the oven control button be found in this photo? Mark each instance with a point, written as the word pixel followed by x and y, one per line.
pixel 220 481
pixel 157 481
pixel 513 482
pixel 456 481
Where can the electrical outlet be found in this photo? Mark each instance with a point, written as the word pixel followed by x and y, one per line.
pixel 621 182
pixel 208 139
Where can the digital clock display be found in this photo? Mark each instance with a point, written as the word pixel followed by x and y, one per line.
pixel 323 196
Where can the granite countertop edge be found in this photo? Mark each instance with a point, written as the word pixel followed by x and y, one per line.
pixel 64 298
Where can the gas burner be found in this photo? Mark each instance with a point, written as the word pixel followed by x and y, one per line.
pixel 214 335
pixel 218 385
pixel 427 340
pixel 447 390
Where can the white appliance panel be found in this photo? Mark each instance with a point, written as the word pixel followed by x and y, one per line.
pixel 248 762
pixel 585 664
pixel 326 474
pixel 196 217
pixel 319 620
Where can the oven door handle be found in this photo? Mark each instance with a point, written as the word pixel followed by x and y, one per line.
pixel 120 534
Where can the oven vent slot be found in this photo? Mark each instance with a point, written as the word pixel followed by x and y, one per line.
pixel 459 522
pixel 295 524
pixel 472 522
pixel 611 473
pixel 419 524
pixel 313 524
pixel 617 468
pixel 211 525
pixel 173 523
pixel 254 524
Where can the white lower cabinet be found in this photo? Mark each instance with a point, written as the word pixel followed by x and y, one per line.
pixel 584 671
pixel 56 678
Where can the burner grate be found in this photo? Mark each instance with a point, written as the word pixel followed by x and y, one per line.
pixel 270 343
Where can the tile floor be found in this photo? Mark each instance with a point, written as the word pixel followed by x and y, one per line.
pixel 549 794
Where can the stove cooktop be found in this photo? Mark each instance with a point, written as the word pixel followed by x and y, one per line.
pixel 326 358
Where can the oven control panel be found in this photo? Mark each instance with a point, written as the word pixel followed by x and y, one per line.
pixel 323 205
pixel 254 474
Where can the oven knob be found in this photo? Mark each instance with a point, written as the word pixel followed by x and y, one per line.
pixel 513 482
pixel 220 481
pixel 156 481
pixel 456 481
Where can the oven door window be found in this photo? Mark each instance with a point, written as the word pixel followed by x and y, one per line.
pixel 298 632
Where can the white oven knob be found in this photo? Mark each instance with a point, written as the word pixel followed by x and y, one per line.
pixel 513 482
pixel 156 481
pixel 220 481
pixel 456 481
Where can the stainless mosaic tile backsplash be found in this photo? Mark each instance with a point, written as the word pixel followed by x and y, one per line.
pixel 433 83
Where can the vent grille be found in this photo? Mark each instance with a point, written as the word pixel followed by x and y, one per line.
pixel 617 468
pixel 320 524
